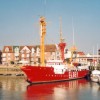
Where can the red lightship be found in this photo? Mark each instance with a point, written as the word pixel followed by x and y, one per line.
pixel 53 70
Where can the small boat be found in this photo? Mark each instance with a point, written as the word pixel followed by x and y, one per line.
pixel 53 70
pixel 95 76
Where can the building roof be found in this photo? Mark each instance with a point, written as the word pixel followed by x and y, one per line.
pixel 48 48
pixel 8 49
pixel 81 53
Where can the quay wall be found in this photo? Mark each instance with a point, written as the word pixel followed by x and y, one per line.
pixel 11 70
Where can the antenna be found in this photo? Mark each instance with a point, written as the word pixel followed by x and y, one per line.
pixel 73 48
pixel 73 32
pixel 93 56
pixel 61 39
pixel 45 2
pixel 97 54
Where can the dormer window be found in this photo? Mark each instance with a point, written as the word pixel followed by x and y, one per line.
pixel 37 51
pixel 25 50
pixel 16 50
pixel 33 50
pixel 7 49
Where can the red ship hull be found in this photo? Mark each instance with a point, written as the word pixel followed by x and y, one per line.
pixel 37 74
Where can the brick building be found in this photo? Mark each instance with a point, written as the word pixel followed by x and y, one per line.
pixel 27 54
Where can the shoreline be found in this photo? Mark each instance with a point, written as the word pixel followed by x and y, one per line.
pixel 11 70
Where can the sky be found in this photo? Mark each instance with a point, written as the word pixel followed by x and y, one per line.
pixel 19 23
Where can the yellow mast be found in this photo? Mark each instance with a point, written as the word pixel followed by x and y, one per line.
pixel 42 37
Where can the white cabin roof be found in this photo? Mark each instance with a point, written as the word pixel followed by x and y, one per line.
pixel 54 61
pixel 96 72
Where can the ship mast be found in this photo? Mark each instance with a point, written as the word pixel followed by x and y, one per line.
pixel 61 39
pixel 73 48
pixel 61 44
pixel 42 38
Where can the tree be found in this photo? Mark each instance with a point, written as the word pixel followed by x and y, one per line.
pixel 11 62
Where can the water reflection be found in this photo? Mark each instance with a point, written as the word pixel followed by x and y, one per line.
pixel 56 91
pixel 16 88
pixel 9 83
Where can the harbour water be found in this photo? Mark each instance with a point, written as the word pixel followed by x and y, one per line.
pixel 16 88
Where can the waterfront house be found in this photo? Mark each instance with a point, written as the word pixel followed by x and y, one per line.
pixel 27 54
pixel 16 52
pixel 7 55
pixel 31 55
